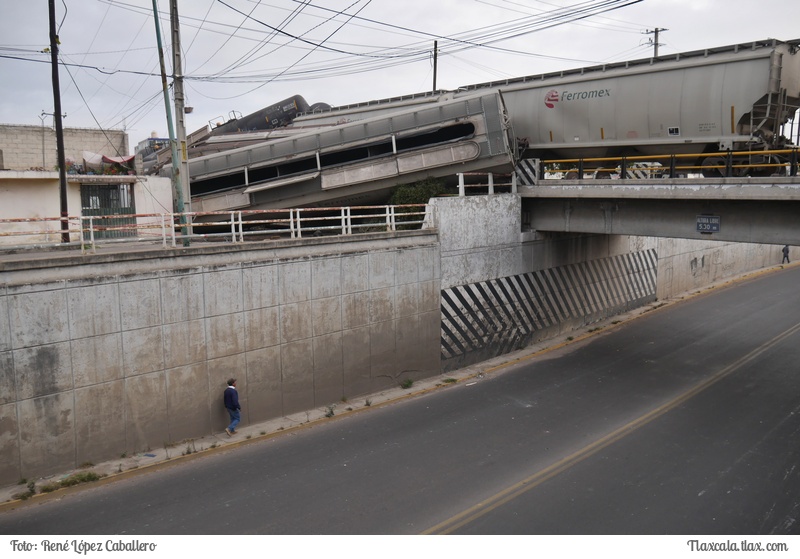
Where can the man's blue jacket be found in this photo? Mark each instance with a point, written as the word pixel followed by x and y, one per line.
pixel 232 399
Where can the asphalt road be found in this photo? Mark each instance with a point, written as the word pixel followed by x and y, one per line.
pixel 682 421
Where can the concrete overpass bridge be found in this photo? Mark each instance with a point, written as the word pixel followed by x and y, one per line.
pixel 753 210
pixel 305 322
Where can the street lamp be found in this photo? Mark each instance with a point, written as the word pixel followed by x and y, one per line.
pixel 42 117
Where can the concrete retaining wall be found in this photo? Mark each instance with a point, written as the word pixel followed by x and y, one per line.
pixel 120 353
pixel 110 354
pixel 502 289
pixel 684 265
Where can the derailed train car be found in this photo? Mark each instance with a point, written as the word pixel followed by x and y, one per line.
pixel 275 116
pixel 359 162
pixel 737 98
pixel 732 98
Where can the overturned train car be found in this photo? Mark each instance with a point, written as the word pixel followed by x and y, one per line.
pixel 697 104
pixel 358 162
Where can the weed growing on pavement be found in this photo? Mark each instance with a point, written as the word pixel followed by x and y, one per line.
pixel 74 479
pixel 81 477
pixel 27 494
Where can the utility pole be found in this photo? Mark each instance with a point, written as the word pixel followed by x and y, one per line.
pixel 177 191
pixel 180 113
pixel 435 62
pixel 654 41
pixel 62 159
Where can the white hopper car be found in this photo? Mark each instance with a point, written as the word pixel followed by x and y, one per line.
pixel 736 97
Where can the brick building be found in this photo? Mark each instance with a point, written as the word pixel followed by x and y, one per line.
pixel 27 147
pixel 30 184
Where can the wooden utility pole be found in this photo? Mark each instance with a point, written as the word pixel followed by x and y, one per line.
pixel 177 191
pixel 180 113
pixel 62 160
pixel 435 62
pixel 654 41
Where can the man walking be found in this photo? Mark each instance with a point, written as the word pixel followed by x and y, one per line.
pixel 785 254
pixel 231 398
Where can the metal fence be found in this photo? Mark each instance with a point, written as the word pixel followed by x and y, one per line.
pixel 490 183
pixel 172 229
pixel 783 162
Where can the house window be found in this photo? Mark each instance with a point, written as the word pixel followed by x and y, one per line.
pixel 110 200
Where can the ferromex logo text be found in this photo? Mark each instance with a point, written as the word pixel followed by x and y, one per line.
pixel 553 96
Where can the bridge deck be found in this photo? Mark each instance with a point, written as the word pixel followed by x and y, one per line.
pixel 766 189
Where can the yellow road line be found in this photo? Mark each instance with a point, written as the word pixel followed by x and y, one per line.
pixel 487 505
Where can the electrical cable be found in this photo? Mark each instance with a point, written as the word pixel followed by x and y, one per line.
pixel 351 61
pixel 113 146
pixel 240 61
pixel 416 56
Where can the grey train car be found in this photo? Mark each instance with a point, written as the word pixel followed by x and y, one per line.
pixel 697 104
pixel 275 116
pixel 735 98
pixel 358 162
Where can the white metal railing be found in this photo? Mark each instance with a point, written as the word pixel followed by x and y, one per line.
pixel 489 186
pixel 171 229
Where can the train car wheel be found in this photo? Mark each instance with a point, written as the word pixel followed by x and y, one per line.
pixel 713 167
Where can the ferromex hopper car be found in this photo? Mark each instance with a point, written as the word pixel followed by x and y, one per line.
pixel 736 98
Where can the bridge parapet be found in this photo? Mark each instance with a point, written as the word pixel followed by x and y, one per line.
pixel 750 188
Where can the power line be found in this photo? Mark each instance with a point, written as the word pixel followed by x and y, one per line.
pixel 343 58
pixel 242 59
pixel 312 50
pixel 492 34
pixel 417 52
pixel 99 126
pixel 654 42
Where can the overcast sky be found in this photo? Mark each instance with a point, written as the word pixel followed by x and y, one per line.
pixel 242 55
